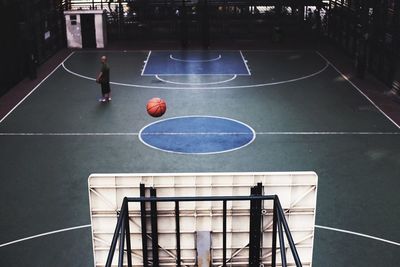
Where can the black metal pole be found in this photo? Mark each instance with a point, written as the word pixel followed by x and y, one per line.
pixel 274 221
pixel 143 222
pixel 121 241
pixel 251 230
pixel 255 226
pixel 154 228
pixel 257 230
pixel 128 237
pixel 289 236
pixel 178 235
pixel 281 241
pixel 115 237
pixel 224 233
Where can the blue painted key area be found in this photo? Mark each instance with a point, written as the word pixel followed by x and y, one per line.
pixel 195 62
pixel 197 135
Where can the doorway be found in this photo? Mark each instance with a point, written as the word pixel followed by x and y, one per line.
pixel 88 31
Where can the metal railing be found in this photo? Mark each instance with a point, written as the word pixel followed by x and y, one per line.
pixel 280 227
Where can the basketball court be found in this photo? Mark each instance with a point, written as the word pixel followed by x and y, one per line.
pixel 227 111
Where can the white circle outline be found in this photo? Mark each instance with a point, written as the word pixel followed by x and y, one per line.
pixel 203 88
pixel 197 116
pixel 195 60
pixel 219 82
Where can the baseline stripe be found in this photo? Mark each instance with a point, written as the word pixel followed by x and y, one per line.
pixel 203 88
pixel 357 234
pixel 245 62
pixel 37 86
pixel 67 134
pixel 328 133
pixel 45 234
pixel 145 63
pixel 359 90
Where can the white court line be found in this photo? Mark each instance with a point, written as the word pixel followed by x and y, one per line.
pixel 358 89
pixel 19 103
pixel 45 234
pixel 194 60
pixel 357 234
pixel 200 133
pixel 180 83
pixel 245 62
pixel 79 75
pixel 328 133
pixel 204 88
pixel 145 63
pixel 68 134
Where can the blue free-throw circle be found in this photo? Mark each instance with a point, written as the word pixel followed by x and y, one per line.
pixel 197 135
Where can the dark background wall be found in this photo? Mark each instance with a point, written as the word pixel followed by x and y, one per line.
pixel 368 31
pixel 31 31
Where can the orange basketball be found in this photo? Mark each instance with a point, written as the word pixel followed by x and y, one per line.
pixel 156 107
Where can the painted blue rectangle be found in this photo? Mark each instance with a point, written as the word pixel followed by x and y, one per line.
pixel 196 63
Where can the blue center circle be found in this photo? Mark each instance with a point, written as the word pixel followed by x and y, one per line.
pixel 197 135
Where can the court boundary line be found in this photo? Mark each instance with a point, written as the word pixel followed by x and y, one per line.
pixel 37 86
pixel 204 133
pixel 245 62
pixel 357 234
pixel 209 83
pixel 203 87
pixel 358 89
pixel 45 234
pixel 145 64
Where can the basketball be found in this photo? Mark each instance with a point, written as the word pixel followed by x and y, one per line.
pixel 156 107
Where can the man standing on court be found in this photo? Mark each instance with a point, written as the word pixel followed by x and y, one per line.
pixel 104 79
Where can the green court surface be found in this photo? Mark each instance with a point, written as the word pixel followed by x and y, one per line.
pixel 306 117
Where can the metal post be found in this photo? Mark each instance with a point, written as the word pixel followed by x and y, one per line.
pixel 255 227
pixel 128 237
pixel 115 237
pixel 224 233
pixel 178 235
pixel 143 222
pixel 251 230
pixel 288 235
pixel 281 241
pixel 154 228
pixel 258 231
pixel 121 241
pixel 274 221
